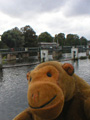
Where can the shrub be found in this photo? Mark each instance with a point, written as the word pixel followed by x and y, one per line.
pixel 83 57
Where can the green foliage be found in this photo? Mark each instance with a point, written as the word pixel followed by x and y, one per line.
pixel 13 38
pixel 4 58
pixel 30 37
pixel 83 41
pixel 72 40
pixel 3 45
pixel 60 38
pixel 26 37
pixel 7 39
pixel 45 37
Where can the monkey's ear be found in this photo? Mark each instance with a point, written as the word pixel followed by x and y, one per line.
pixel 28 75
pixel 68 68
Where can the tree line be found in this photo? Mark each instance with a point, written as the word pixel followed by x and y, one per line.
pixel 26 37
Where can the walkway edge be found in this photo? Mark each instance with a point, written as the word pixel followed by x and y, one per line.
pixel 20 65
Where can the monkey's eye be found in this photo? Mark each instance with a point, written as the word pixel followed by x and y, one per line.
pixel 49 74
pixel 30 79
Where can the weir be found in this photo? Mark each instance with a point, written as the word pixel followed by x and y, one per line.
pixel 40 54
pixel 14 55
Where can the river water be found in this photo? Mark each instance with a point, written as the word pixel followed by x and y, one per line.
pixel 13 87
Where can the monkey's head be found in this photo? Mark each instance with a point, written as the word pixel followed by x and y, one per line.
pixel 50 84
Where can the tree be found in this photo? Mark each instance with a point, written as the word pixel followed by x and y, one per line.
pixel 13 38
pixel 76 40
pixel 30 37
pixel 3 45
pixel 83 41
pixel 72 40
pixel 60 38
pixel 45 37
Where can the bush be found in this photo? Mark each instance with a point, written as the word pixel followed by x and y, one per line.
pixel 83 57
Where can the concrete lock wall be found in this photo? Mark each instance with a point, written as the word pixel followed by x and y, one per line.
pixel 57 54
pixel 25 55
pixel 44 55
pixel 74 53
pixel 11 57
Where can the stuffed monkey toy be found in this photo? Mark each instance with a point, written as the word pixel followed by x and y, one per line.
pixel 56 93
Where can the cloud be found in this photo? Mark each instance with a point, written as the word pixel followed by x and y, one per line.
pixel 53 16
pixel 18 8
pixel 77 7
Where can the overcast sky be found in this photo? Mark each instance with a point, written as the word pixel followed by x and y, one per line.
pixel 53 16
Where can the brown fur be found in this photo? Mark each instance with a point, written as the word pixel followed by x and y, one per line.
pixel 56 93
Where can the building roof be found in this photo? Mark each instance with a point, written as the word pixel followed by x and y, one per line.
pixel 48 43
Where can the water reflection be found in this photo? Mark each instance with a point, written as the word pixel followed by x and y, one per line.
pixel 75 64
pixel 21 61
pixel 13 88
pixel 13 92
